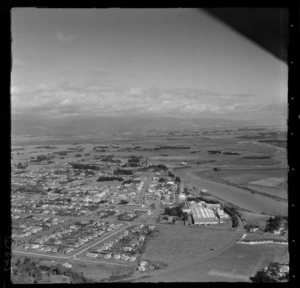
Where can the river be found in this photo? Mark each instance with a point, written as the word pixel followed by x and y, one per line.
pixel 237 196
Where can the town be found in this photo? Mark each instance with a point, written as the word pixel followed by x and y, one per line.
pixel 105 210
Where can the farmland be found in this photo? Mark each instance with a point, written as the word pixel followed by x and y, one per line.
pixel 272 182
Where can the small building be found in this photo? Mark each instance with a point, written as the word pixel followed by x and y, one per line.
pixel 107 256
pixel 67 265
pixel 141 268
pixel 92 255
pixel 143 263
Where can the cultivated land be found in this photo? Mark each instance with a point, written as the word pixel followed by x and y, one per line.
pixel 270 182
pixel 234 167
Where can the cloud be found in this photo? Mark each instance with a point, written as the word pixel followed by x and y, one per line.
pixel 109 73
pixel 65 100
pixel 15 89
pixel 136 91
pixel 17 62
pixel 242 95
pixel 64 38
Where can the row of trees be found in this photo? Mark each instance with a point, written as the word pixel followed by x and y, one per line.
pixel 84 166
pixel 199 198
pixel 109 178
pixel 158 167
pixel 174 211
pixel 262 277
pixel 120 171
pixel 233 214
pixel 28 268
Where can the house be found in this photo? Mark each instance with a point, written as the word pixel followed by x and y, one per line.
pixel 124 257
pixel 92 255
pixel 141 268
pixel 68 250
pixel 127 248
pixel 107 256
pixel 67 265
pixel 284 268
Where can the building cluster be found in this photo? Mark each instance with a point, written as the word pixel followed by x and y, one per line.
pixel 278 271
pixel 33 225
pixel 64 191
pixel 164 190
pixel 124 246
pixel 67 238
pixel 206 213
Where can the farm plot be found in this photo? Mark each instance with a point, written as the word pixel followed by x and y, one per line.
pixel 269 182
pixel 243 177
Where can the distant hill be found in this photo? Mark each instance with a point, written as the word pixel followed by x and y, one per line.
pixel 114 124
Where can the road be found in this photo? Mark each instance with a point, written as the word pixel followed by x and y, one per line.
pixel 101 240
pixel 145 187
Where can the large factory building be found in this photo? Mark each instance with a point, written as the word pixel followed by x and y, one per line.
pixel 202 215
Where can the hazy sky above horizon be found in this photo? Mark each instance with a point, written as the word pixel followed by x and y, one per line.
pixel 176 62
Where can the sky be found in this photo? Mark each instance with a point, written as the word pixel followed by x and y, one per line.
pixel 140 62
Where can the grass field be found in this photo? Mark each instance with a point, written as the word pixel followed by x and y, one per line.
pixel 269 182
pixel 250 162
pixel 254 219
pixel 180 244
pixel 236 264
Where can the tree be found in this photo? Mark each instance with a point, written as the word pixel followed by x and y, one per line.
pixel 185 216
pixel 273 223
pixel 124 201
pixel 262 277
pixel 177 179
pixel 167 211
pixel 170 174
pixel 19 262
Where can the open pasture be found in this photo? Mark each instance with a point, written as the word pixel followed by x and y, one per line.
pixel 269 182
pixel 236 264
pixel 180 244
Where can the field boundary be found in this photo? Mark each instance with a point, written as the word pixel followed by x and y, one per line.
pixel 277 198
